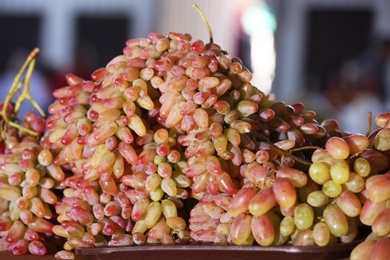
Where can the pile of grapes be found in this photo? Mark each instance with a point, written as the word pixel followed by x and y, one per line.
pixel 170 143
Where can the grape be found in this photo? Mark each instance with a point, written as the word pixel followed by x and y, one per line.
pixel 377 187
pixel 370 211
pixel 336 220
pixel 381 249
pixel 381 223
pixel 287 226
pixel 262 202
pixel 353 230
pixel 363 250
pixel 349 203
pixel 321 234
pixel 303 216
pixel 317 199
pixel 241 230
pixel 377 160
pixel 381 141
pixel 332 189
pixel 298 178
pixel 357 143
pixel 362 167
pixel 263 230
pixel 337 147
pixel 355 183
pixel 303 238
pixel 241 201
pixel 339 172
pixel 319 172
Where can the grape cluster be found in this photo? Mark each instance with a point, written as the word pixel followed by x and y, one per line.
pixel 27 192
pixel 167 120
pixel 124 155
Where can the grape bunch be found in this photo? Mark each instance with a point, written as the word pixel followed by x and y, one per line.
pixel 167 120
pixel 27 193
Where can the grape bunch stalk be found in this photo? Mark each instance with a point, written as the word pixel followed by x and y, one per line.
pixel 170 143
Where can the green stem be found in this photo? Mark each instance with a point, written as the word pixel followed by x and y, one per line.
pixel 205 22
pixel 15 87
pixel 26 91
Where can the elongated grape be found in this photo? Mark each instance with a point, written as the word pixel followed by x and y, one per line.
pixel 381 223
pixel 337 147
pixel 336 220
pixel 284 191
pixel 319 172
pixel 262 202
pixel 381 249
pixel 263 230
pixel 241 230
pixel 363 250
pixel 303 216
pixel 349 203
pixel 321 234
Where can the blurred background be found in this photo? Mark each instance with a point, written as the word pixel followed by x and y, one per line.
pixel 331 55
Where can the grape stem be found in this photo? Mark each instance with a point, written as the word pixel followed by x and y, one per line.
pixel 17 84
pixel 288 153
pixel 205 22
pixel 369 120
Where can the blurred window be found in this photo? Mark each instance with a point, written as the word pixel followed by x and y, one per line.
pixel 98 40
pixel 18 32
pixel 334 36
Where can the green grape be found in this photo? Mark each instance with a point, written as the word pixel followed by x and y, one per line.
pixel 332 189
pixel 339 171
pixel 303 238
pixel 317 199
pixel 336 220
pixel 382 140
pixel 303 216
pixel 362 167
pixel 304 191
pixel 287 226
pixel 355 183
pixel 319 172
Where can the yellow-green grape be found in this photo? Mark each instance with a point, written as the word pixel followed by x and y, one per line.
pixel 382 140
pixel 319 172
pixel 339 171
pixel 336 220
pixel 287 226
pixel 332 189
pixel 303 216
pixel 362 167
pixel 317 199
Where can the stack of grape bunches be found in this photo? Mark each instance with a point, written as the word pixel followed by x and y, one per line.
pixel 170 143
